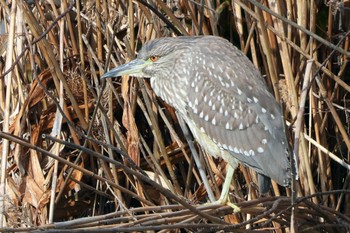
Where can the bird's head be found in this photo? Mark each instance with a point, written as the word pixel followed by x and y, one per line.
pixel 156 58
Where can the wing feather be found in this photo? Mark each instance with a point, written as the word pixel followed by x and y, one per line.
pixel 234 108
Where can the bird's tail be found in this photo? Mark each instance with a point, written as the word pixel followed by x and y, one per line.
pixel 264 184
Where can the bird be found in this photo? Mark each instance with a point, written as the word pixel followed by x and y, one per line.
pixel 223 99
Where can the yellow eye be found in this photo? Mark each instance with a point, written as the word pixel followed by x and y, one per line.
pixel 154 58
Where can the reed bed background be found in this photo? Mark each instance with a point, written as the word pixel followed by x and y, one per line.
pixel 82 155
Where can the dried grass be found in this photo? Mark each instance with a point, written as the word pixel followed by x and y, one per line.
pixel 117 159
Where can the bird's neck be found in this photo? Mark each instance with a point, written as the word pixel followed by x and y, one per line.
pixel 172 91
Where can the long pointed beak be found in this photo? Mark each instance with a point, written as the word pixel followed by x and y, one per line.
pixel 134 68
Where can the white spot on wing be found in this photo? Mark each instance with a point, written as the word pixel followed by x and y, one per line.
pixel 222 102
pixel 263 110
pixel 260 150
pixel 240 106
pixel 240 126
pixel 213 121
pixel 201 114
pixel 264 141
pixel 255 99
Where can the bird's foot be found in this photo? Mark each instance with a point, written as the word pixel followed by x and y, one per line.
pixel 223 201
pixel 224 197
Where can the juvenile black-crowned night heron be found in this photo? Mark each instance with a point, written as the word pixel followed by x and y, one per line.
pixel 223 99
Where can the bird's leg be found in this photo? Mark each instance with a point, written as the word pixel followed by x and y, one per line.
pixel 225 191
pixel 226 187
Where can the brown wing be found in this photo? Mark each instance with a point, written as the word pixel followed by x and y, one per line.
pixel 237 112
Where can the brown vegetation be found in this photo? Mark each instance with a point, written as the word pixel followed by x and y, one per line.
pixel 79 155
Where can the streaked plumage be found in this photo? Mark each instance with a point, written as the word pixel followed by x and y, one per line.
pixel 221 96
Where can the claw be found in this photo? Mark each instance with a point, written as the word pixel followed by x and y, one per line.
pixel 235 208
